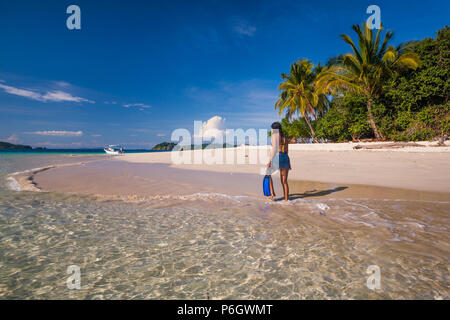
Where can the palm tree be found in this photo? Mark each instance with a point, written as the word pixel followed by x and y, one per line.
pixel 299 94
pixel 368 67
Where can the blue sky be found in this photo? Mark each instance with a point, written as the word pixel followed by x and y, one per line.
pixel 137 70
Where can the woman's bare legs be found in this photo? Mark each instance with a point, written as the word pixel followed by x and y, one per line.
pixel 272 191
pixel 284 176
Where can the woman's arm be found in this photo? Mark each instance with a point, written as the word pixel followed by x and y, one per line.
pixel 273 151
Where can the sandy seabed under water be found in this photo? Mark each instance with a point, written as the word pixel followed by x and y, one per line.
pixel 197 235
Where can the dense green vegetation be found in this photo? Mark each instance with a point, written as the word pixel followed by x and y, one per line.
pixel 377 91
pixel 10 146
pixel 164 146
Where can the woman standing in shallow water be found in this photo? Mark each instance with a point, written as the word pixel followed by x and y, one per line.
pixel 279 158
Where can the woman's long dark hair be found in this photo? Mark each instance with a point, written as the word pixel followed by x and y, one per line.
pixel 277 126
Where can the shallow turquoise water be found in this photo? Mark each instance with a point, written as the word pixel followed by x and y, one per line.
pixel 310 249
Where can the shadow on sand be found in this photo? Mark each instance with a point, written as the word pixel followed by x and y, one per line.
pixel 312 193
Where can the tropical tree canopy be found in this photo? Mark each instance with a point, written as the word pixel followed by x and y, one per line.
pixel 298 92
pixel 371 64
pixel 393 92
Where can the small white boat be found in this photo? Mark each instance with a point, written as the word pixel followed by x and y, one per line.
pixel 114 150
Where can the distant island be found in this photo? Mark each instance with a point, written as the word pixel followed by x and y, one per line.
pixel 10 146
pixel 167 146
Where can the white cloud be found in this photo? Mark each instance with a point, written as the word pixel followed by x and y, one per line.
pixel 54 96
pixel 161 134
pixel 243 28
pixel 212 128
pixel 21 92
pixel 96 135
pixel 57 133
pixel 141 105
pixel 63 96
pixel 12 138
pixel 62 84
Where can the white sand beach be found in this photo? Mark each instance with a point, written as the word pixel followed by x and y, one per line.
pixel 416 168
pixel 414 173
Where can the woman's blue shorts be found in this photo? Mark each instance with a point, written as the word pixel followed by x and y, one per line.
pixel 284 161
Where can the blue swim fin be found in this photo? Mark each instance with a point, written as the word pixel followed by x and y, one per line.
pixel 266 185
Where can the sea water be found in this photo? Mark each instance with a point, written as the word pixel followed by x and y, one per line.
pixel 217 246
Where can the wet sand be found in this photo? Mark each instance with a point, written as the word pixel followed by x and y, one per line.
pixel 156 180
pixel 329 170
pixel 423 171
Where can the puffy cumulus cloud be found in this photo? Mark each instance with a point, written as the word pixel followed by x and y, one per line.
pixel 57 133
pixel 213 127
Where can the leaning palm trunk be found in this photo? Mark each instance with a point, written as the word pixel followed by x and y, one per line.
pixel 313 133
pixel 378 136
